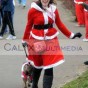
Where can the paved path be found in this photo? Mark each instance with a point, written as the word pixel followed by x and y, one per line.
pixel 12 55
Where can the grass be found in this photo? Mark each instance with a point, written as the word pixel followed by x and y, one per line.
pixel 80 82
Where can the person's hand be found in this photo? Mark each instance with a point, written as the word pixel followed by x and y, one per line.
pixel 77 35
pixel 80 2
pixel 24 44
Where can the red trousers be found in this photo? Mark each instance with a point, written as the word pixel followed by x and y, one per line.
pixel 86 24
pixel 80 14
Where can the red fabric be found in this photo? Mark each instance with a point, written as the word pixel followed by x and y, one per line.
pixel 61 26
pixel 28 26
pixel 24 75
pixel 48 57
pixel 31 77
pixel 36 17
pixel 86 2
pixel 80 14
pixel 86 23
pixel 39 46
pixel 51 55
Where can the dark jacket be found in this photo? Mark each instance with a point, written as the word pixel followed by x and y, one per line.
pixel 8 5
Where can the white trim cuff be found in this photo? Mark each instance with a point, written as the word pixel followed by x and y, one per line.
pixel 23 41
pixel 72 35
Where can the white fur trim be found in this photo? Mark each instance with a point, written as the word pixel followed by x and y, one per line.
pixel 45 31
pixel 75 2
pixel 46 37
pixel 22 68
pixel 34 5
pixel 85 10
pixel 72 35
pixel 23 41
pixel 45 21
pixel 36 37
pixel 50 11
pixel 53 7
pixel 49 66
pixel 78 2
pixel 54 65
pixel 53 36
pixel 38 67
pixel 22 76
pixel 45 18
pixel 32 63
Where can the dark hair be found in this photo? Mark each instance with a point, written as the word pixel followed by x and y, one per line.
pixel 40 4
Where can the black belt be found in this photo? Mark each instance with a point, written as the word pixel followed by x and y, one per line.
pixel 40 27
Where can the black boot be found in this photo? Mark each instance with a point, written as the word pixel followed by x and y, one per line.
pixel 36 75
pixel 86 63
pixel 47 81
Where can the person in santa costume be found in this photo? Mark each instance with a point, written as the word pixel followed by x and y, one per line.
pixel 79 9
pixel 85 5
pixel 42 16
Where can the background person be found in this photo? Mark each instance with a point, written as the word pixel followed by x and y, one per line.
pixel 23 2
pixel 1 13
pixel 12 15
pixel 8 7
pixel 41 18
pixel 85 5
pixel 79 9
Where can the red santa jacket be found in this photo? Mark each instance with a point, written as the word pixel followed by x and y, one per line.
pixel 38 16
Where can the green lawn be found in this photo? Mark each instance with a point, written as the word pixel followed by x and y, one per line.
pixel 80 82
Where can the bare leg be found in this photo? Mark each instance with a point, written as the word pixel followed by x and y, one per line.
pixel 25 82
